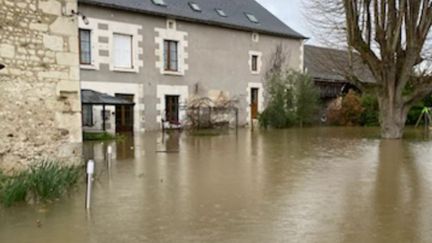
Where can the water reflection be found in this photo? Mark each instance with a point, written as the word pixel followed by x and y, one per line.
pixel 397 193
pixel 297 185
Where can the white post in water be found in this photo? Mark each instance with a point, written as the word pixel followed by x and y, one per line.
pixel 90 172
pixel 109 156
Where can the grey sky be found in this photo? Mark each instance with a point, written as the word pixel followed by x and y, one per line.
pixel 290 12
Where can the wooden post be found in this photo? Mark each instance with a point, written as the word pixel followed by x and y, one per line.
pixel 103 118
pixel 251 118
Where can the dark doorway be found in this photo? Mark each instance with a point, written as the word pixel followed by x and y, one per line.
pixel 254 103
pixel 172 109
pixel 125 114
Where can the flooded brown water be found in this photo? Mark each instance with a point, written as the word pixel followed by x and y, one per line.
pixel 299 185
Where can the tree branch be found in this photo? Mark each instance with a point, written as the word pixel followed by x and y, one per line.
pixel 422 87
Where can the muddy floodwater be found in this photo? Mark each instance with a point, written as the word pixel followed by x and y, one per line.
pixel 298 185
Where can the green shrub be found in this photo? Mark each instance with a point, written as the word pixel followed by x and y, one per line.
pixel 293 99
pixel 370 115
pixel 414 114
pixel 346 111
pixel 44 181
pixel 98 136
pixel 417 109
pixel 351 109
pixel 307 99
pixel 49 180
pixel 13 190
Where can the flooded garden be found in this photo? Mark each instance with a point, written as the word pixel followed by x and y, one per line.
pixel 294 185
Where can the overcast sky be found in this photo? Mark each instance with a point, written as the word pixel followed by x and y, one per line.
pixel 290 12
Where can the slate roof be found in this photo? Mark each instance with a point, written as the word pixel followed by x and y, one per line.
pixel 235 10
pixel 91 97
pixel 331 65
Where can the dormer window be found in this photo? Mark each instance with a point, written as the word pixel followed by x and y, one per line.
pixel 159 2
pixel 252 18
pixel 220 12
pixel 195 7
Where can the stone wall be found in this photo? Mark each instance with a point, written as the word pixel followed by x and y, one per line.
pixel 40 111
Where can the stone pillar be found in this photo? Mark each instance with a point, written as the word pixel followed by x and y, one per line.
pixel 40 107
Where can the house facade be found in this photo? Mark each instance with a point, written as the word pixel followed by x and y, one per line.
pixel 160 54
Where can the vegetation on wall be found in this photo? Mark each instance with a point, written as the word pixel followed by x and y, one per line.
pixel 43 181
pixel 278 113
pixel 292 100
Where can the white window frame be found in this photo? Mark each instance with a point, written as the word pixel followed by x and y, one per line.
pixel 80 46
pixel 93 50
pixel 123 68
pixel 182 54
pixel 259 62
pixel 130 31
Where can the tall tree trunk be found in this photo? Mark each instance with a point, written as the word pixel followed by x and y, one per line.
pixel 393 115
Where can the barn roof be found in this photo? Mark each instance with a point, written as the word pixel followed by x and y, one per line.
pixel 332 65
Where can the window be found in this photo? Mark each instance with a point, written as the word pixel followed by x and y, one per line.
pixel 252 18
pixel 195 7
pixel 122 56
pixel 85 46
pixel 254 64
pixel 220 12
pixel 159 2
pixel 87 115
pixel 170 55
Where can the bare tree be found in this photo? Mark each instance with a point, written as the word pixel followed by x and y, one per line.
pixel 391 37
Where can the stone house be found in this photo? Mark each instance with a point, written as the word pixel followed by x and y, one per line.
pixel 40 108
pixel 158 54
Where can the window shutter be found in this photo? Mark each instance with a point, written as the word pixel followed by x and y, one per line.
pixel 122 51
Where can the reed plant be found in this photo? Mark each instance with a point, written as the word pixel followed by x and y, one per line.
pixel 43 181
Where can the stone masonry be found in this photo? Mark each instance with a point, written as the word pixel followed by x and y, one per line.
pixel 40 110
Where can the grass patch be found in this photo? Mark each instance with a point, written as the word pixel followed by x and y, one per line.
pixel 44 181
pixel 98 136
